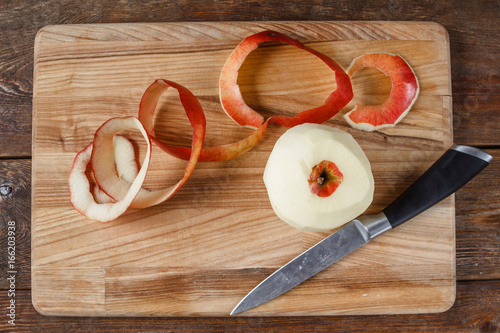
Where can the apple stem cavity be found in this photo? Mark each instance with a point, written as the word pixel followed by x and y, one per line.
pixel 325 178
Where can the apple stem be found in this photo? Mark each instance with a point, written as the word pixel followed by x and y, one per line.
pixel 325 178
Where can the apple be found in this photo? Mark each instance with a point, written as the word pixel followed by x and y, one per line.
pixel 318 178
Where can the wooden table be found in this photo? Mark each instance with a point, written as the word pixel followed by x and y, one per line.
pixel 473 30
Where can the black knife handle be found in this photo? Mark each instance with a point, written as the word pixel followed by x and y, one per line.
pixel 455 168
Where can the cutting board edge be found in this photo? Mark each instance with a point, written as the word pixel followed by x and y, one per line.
pixel 435 31
pixel 97 303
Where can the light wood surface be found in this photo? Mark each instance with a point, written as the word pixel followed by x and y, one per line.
pixel 200 252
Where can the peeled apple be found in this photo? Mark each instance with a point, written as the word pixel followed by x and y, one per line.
pixel 309 157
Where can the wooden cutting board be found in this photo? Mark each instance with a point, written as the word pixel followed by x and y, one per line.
pixel 201 251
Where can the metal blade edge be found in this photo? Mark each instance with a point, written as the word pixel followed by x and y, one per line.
pixel 310 262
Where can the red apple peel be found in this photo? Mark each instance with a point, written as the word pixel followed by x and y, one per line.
pixel 236 108
pixel 115 186
pixel 79 186
pixel 211 154
pixel 404 92
pixel 125 163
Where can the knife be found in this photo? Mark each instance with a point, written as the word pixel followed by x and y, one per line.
pixel 456 167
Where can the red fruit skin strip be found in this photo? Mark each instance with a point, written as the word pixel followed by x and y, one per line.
pixel 404 92
pixel 147 109
pixel 121 191
pixel 125 163
pixel 234 105
pixel 218 153
pixel 193 110
pixel 81 197
pixel 236 108
pixel 115 187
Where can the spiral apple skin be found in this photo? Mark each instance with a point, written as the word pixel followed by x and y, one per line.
pixel 404 92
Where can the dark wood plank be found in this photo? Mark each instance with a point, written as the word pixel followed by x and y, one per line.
pixel 15 194
pixel 477 209
pixel 475 310
pixel 16 85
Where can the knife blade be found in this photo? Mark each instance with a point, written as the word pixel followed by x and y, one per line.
pixel 455 168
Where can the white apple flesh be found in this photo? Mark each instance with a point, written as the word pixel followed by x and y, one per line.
pixel 102 150
pixel 289 167
pixel 125 164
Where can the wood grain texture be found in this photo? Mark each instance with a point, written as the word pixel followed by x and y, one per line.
pixel 478 225
pixel 477 238
pixel 16 85
pixel 15 192
pixel 473 29
pixel 467 315
pixel 474 308
pixel 200 252
pixel 474 47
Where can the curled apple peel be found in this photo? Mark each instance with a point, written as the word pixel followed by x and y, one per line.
pixel 125 160
pixel 196 117
pixel 103 164
pixel 118 180
pixel 235 107
pixel 404 92
pixel 125 163
pixel 79 186
pixel 211 154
